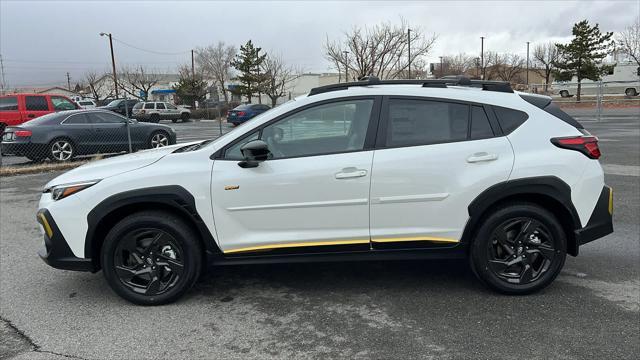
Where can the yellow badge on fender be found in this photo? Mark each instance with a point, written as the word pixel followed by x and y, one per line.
pixel 232 187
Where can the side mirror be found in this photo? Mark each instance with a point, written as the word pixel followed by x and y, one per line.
pixel 254 152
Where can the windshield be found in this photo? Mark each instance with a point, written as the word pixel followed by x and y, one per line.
pixel 138 106
pixel 114 103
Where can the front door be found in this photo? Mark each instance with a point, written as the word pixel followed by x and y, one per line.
pixel 312 195
pixel 109 132
pixel 435 157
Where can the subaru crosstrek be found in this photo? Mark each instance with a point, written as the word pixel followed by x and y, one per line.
pixel 370 170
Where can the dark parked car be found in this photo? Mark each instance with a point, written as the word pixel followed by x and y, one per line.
pixel 118 106
pixel 63 135
pixel 245 112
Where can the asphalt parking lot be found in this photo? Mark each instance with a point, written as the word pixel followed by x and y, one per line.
pixel 416 309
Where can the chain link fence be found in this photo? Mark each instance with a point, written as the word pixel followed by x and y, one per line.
pixel 65 136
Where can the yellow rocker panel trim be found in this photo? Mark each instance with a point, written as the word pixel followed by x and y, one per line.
pixel 339 242
pixel 302 244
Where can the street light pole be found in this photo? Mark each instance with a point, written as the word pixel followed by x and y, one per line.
pixel 346 65
pixel 482 55
pixel 113 62
pixel 527 64
pixel 409 50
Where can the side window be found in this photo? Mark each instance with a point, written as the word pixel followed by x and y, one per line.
pixel 36 103
pixel 172 107
pixel 149 105
pixel 160 106
pixel 323 129
pixel 76 119
pixel 480 127
pixel 509 119
pixel 60 104
pixel 420 122
pixel 234 153
pixel 105 118
pixel 8 103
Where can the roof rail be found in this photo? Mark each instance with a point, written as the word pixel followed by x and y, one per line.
pixel 498 86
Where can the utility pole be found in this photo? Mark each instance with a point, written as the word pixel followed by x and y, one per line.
pixel 113 62
pixel 409 50
pixel 346 65
pixel 482 55
pixel 2 85
pixel 68 81
pixel 527 64
pixel 193 66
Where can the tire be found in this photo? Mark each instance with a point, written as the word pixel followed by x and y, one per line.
pixel 174 120
pixel 61 150
pixel 158 139
pixel 2 127
pixel 564 93
pixel 154 118
pixel 151 258
pixel 631 92
pixel 543 248
pixel 184 117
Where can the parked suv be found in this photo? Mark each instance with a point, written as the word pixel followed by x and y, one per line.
pixel 18 108
pixel 371 170
pixel 154 111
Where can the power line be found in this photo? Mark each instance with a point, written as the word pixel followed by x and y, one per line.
pixel 150 51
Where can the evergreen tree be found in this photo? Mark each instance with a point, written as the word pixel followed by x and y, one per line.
pixel 190 89
pixel 248 62
pixel 583 56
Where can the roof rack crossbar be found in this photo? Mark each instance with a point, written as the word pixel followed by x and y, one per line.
pixel 487 85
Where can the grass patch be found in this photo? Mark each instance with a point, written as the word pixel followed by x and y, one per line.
pixel 38 168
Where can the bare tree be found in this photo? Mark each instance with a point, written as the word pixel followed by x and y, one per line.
pixel 629 40
pixel 458 64
pixel 380 50
pixel 215 62
pixel 137 82
pixel 505 67
pixel 97 88
pixel 544 58
pixel 491 63
pixel 276 76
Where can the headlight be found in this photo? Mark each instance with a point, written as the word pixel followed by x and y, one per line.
pixel 62 191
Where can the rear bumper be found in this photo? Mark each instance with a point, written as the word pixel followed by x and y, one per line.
pixel 601 222
pixel 56 252
pixel 23 148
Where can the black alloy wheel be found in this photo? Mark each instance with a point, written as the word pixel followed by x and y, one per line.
pixel 519 248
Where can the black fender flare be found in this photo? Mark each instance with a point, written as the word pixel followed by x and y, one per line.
pixel 550 190
pixel 175 197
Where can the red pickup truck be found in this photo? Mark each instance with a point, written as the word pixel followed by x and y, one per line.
pixel 18 108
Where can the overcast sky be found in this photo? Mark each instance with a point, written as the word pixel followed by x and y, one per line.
pixel 41 41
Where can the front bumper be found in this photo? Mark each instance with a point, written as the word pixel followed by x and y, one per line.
pixel 56 251
pixel 601 221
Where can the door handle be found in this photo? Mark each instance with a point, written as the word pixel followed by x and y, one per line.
pixel 350 173
pixel 482 156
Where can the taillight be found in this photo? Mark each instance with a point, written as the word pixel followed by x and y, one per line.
pixel 22 133
pixel 587 145
pixel 240 113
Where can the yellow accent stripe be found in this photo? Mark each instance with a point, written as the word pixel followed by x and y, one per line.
pixel 339 242
pixel 611 201
pixel 45 224
pixel 303 244
pixel 417 238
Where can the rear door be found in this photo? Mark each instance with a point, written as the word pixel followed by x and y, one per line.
pixel 162 110
pixel 9 111
pixel 35 105
pixel 78 128
pixel 434 157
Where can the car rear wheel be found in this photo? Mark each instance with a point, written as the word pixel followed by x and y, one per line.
pixel 184 117
pixel 154 118
pixel 564 93
pixel 61 150
pixel 158 139
pixel 519 249
pixel 631 92
pixel 151 258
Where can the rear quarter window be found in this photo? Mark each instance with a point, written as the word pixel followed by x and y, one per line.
pixel 36 103
pixel 509 119
pixel 8 103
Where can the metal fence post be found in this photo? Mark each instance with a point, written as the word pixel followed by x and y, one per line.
pixel 599 101
pixel 126 111
pixel 219 119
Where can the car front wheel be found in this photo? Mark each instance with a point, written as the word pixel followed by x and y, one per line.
pixel 519 249
pixel 151 258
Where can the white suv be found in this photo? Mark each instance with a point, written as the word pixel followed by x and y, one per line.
pixel 371 170
pixel 154 111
